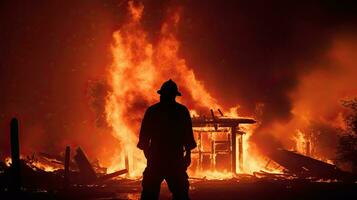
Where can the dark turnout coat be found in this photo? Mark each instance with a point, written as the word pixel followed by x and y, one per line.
pixel 166 131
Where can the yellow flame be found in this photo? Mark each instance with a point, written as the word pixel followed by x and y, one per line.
pixel 8 161
pixel 45 167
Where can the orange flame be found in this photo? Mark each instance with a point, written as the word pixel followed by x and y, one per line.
pixel 45 167
pixel 139 67
pixel 37 164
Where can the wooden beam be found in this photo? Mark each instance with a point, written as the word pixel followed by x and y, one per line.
pixel 220 112
pixel 87 172
pixel 111 175
pixel 220 122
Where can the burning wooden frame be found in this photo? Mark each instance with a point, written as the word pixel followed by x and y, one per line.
pixel 228 146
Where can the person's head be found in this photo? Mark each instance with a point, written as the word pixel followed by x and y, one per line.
pixel 168 91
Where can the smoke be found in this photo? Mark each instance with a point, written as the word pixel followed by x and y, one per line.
pixel 98 92
pixel 316 101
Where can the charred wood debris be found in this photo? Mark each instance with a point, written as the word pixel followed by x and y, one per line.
pixel 68 178
pixel 79 176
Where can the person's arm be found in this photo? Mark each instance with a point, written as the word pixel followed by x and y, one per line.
pixel 144 135
pixel 189 142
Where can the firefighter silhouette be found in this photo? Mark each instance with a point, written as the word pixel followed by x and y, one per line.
pixel 166 137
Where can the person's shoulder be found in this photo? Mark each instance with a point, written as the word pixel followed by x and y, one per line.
pixel 181 107
pixel 153 107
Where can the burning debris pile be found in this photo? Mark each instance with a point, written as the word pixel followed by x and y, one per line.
pixel 299 166
pixel 50 172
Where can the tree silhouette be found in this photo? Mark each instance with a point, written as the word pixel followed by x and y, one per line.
pixel 347 148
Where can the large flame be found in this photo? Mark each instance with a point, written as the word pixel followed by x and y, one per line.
pixel 138 70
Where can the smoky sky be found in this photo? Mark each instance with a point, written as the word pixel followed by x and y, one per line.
pixel 245 52
pixel 250 52
pixel 254 51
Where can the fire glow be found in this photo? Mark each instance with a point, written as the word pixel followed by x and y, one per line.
pixel 139 67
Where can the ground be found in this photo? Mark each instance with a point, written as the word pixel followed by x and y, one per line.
pixel 209 189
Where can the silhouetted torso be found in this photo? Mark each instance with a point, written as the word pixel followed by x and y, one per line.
pixel 166 129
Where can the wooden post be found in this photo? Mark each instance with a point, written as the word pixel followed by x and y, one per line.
pixel 240 152
pixel 15 153
pixel 234 149
pixel 66 167
pixel 230 149
pixel 199 151
pixel 213 156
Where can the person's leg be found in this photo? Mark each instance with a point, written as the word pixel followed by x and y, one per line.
pixel 178 184
pixel 151 184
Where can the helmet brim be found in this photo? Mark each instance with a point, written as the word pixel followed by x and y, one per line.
pixel 177 93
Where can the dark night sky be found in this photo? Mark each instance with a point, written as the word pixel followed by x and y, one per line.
pixel 244 51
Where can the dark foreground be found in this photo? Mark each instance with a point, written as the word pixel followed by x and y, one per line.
pixel 206 189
